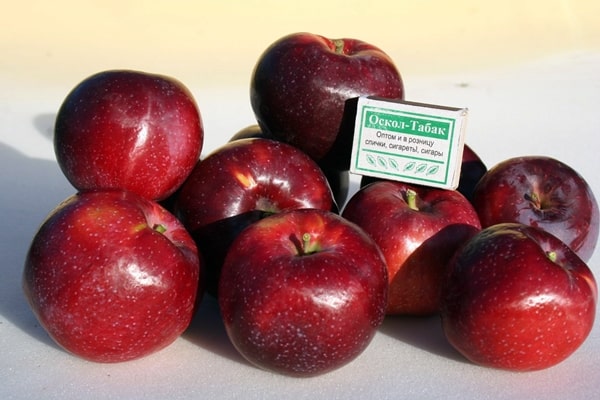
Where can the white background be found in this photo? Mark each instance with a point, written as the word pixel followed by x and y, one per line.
pixel 529 72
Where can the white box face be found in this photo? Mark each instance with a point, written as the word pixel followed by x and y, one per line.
pixel 410 142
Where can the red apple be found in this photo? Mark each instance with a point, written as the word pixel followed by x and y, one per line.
pixel 240 183
pixel 517 298
pixel 128 130
pixel 418 229
pixel 302 292
pixel 301 84
pixel 339 180
pixel 112 276
pixel 471 171
pixel 544 192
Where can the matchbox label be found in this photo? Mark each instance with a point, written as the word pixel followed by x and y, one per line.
pixel 410 142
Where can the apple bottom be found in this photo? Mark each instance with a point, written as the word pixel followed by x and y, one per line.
pixel 296 343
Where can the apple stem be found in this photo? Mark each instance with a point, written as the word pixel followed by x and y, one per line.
pixel 305 241
pixel 551 255
pixel 305 247
pixel 160 228
pixel 411 199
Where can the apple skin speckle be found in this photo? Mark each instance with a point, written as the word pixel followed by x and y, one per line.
pixel 300 87
pixel 128 130
pixel 302 313
pixel 104 283
pixel 543 192
pixel 507 304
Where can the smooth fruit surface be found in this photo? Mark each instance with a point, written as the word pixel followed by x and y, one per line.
pixel 301 83
pixel 518 298
pixel 112 276
pixel 240 183
pixel 417 229
pixel 128 130
pixel 339 179
pixel 543 192
pixel 302 292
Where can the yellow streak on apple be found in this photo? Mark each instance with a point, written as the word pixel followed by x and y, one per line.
pixel 246 180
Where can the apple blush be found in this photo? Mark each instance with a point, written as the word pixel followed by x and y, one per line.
pixel 302 292
pixel 112 276
pixel 517 298
pixel 128 130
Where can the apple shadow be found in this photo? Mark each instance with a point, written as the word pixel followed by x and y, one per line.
pixel 30 189
pixel 44 124
pixel 422 332
pixel 208 331
pixel 426 331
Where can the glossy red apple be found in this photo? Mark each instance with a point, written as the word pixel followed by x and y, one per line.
pixel 418 229
pixel 300 85
pixel 302 292
pixel 128 130
pixel 112 276
pixel 240 183
pixel 517 298
pixel 544 192
pixel 339 180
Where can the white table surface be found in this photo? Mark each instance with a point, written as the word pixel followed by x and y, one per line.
pixel 546 104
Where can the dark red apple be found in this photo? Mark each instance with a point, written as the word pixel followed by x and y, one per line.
pixel 471 171
pixel 250 132
pixel 112 276
pixel 128 130
pixel 302 292
pixel 544 192
pixel 339 180
pixel 240 183
pixel 301 84
pixel 517 298
pixel 418 229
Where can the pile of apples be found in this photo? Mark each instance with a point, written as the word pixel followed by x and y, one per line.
pixel 303 272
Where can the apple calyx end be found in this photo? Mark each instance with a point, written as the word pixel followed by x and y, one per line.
pixel 552 256
pixel 534 199
pixel 546 208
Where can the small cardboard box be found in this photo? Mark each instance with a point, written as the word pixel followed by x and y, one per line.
pixel 407 141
